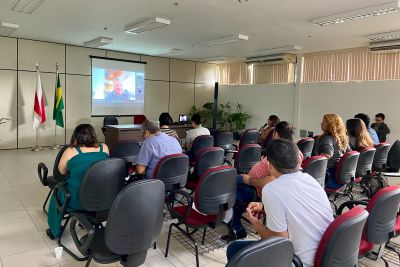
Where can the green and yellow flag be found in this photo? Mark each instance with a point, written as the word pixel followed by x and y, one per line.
pixel 58 104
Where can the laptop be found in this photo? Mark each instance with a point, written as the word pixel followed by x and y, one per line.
pixel 183 119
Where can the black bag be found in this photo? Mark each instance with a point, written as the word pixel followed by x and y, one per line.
pixel 374 183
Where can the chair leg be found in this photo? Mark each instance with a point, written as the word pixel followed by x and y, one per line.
pixel 155 245
pixel 168 239
pixel 204 236
pixel 47 199
pixel 88 261
pixel 65 248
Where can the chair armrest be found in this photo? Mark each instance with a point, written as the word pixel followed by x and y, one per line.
pixel 230 151
pixel 61 204
pixel 42 173
pixel 351 204
pixel 236 147
pixel 296 261
pixel 84 222
pixel 171 200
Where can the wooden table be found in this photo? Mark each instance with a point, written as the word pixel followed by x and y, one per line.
pixel 115 133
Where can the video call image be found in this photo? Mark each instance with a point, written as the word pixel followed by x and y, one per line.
pixel 117 86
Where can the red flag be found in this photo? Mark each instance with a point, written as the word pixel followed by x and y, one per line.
pixel 39 115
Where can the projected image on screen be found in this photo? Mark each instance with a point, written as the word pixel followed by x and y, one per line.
pixel 117 87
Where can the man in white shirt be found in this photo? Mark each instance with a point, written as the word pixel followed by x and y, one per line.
pixel 196 131
pixel 295 205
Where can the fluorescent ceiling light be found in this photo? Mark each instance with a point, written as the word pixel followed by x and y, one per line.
pixel 147 25
pixel 98 42
pixel 214 59
pixel 166 52
pixel 280 50
pixel 383 36
pixel 362 13
pixel 26 6
pixel 227 40
pixel 7 29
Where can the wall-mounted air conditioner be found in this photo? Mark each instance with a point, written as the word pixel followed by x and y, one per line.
pixel 385 45
pixel 272 59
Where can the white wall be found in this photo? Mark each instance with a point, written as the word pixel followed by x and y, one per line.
pixel 348 99
pixel 316 99
pixel 261 100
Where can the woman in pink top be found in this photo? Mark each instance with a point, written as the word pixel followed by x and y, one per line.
pixel 250 184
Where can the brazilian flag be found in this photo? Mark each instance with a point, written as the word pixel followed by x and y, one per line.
pixel 58 104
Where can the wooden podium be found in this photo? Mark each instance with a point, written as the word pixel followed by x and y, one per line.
pixel 115 133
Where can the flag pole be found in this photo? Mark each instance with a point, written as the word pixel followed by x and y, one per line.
pixel 55 146
pixel 36 148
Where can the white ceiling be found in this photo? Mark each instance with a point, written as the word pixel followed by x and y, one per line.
pixel 269 24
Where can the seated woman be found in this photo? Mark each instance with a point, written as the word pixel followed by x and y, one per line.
pixel 332 143
pixel 267 130
pixel 166 121
pixel 359 137
pixel 84 150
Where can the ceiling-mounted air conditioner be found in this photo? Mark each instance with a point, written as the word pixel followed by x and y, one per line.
pixel 272 59
pixel 385 45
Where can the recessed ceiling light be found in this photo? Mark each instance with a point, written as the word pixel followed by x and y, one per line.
pixel 7 28
pixel 147 25
pixel 227 40
pixel 362 13
pixel 98 42
pixel 167 52
pixel 26 6
pixel 242 1
pixel 383 36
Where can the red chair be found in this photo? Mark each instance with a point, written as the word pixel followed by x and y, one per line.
pixel 364 167
pixel 382 209
pixel 250 136
pixel 381 155
pixel 316 167
pixel 207 158
pixel 172 170
pixel 139 119
pixel 214 194
pixel 306 146
pixel 200 142
pixel 345 175
pixel 341 241
pixel 247 156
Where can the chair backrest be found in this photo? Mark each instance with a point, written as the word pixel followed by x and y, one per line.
pixel 216 190
pixel 172 170
pixel 306 146
pixel 381 156
pixel 247 156
pixel 339 244
pixel 346 168
pixel 208 158
pixel 136 217
pixel 382 208
pixel 393 159
pixel 250 136
pixel 110 120
pixel 224 140
pixel 276 251
pixel 316 167
pixel 101 184
pixel 57 175
pixel 364 164
pixel 201 142
pixel 139 119
pixel 126 150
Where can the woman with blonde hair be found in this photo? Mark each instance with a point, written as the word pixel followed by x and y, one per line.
pixel 332 143
pixel 359 137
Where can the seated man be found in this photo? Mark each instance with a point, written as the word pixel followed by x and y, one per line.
pixel 365 118
pixel 256 179
pixel 296 206
pixel 155 146
pixel 197 130
pixel 380 127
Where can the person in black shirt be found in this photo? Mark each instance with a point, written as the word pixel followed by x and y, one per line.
pixel 380 127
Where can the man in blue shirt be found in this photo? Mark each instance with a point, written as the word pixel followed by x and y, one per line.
pixel 365 118
pixel 155 146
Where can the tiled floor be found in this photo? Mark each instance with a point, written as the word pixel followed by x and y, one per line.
pixel 23 241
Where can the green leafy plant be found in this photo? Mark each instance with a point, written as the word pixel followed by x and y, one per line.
pixel 233 119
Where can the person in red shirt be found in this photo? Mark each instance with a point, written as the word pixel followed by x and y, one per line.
pixel 249 186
